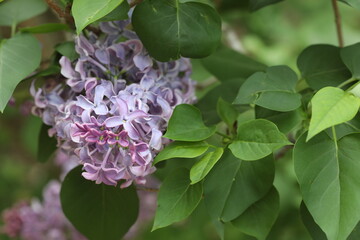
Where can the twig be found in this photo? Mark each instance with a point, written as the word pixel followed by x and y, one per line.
pixel 338 23
pixel 147 189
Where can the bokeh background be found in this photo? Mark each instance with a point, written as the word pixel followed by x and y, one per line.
pixel 274 35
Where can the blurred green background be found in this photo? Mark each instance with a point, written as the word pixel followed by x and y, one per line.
pixel 274 35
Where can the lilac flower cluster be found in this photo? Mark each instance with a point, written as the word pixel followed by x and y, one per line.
pixel 115 104
pixel 40 221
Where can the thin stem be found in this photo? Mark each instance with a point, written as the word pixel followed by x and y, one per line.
pixel 338 23
pixel 347 82
pixel 13 28
pixel 134 3
pixel 223 135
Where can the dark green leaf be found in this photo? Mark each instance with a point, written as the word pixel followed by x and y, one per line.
pixel 226 64
pixel 227 91
pixel 351 57
pixel 321 66
pixel 353 3
pixel 177 199
pixel 227 112
pixel 314 230
pixel 182 150
pixel 186 124
pixel 19 56
pixel 328 174
pixel 257 139
pixel 274 90
pixel 258 219
pixel 86 12
pixel 331 106
pixel 234 185
pixel 16 11
pixel 98 211
pixel 285 121
pixel 46 144
pixel 67 49
pixel 257 4
pixel 204 165
pixel 188 29
pixel 46 28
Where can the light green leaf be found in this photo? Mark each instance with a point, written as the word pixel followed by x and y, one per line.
pixel 227 112
pixel 204 165
pixel 234 185
pixel 86 12
pixel 314 230
pixel 119 13
pixel 16 11
pixel 186 124
pixel 46 28
pixel 258 219
pixel 19 56
pixel 321 66
pixel 189 29
pixel 351 57
pixel 274 90
pixel 331 106
pixel 257 139
pixel 98 211
pixel 182 150
pixel 67 49
pixel 328 174
pixel 177 199
pixel 226 64
pixel 353 3
pixel 46 145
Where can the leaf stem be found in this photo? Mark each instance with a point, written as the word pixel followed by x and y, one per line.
pixel 347 82
pixel 338 23
pixel 223 135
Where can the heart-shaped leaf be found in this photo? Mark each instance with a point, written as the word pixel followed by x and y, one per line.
pixel 19 56
pixel 98 211
pixel 186 124
pixel 170 29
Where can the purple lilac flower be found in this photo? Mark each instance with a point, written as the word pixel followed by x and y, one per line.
pixel 114 105
pixel 40 221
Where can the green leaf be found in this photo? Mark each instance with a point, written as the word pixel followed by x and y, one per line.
pixel 186 124
pixel 328 174
pixel 189 29
pixel 258 4
pixel 208 104
pixel 67 49
pixel 204 165
pixel 227 112
pixel 351 57
pixel 285 121
pixel 353 3
pixel 331 106
pixel 234 185
pixel 98 211
pixel 177 199
pixel 258 219
pixel 226 64
pixel 182 150
pixel 119 13
pixel 19 56
pixel 274 90
pixel 257 139
pixel 46 28
pixel 46 145
pixel 86 12
pixel 16 11
pixel 321 66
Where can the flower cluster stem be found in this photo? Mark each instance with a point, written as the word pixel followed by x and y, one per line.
pixel 338 22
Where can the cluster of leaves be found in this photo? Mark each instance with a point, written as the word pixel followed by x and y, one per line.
pixel 234 133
